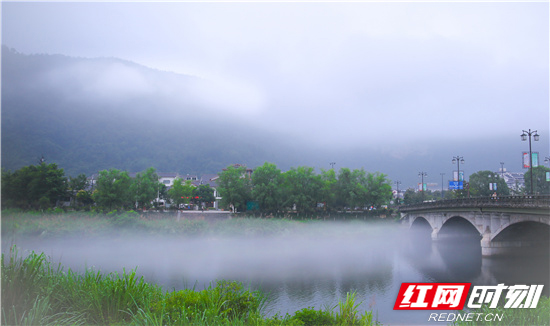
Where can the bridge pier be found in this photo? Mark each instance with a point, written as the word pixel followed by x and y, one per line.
pixel 435 232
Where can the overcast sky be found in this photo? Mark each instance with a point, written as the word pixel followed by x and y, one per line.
pixel 392 76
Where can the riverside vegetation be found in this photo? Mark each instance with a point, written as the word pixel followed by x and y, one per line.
pixel 34 292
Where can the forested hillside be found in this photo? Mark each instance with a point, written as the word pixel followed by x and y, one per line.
pixel 93 114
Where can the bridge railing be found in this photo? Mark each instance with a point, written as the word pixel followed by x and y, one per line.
pixel 532 202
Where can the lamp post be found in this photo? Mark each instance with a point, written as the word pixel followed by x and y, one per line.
pixel 442 174
pixel 422 174
pixel 458 160
pixel 502 169
pixel 332 165
pixel 524 137
pixel 493 180
pixel 397 183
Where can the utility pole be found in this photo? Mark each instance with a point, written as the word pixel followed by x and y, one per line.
pixel 397 183
pixel 422 174
pixel 536 138
pixel 442 174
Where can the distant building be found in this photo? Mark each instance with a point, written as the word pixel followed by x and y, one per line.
pixel 211 180
pixel 248 171
pixel 514 180
pixel 190 178
pixel 168 178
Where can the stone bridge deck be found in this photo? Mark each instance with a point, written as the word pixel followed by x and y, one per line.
pixel 531 204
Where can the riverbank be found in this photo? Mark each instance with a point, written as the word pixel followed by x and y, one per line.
pixel 89 225
pixel 36 292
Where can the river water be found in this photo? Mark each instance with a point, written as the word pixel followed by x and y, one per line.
pixel 316 269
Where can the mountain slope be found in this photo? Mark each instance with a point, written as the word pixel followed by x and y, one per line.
pixel 93 114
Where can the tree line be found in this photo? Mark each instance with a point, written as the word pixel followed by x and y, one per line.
pixel 271 191
pixel 267 190
pixel 45 186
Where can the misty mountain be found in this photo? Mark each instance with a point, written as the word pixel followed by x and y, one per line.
pixel 93 114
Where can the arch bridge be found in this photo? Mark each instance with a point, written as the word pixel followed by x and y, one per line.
pixel 504 224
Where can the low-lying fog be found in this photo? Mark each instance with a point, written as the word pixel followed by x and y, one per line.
pixel 308 265
pixel 322 251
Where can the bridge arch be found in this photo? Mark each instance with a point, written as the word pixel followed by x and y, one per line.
pixel 535 220
pixel 458 226
pixel 420 221
pixel 521 238
pixel 421 227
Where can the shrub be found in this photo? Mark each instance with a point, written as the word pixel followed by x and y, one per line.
pixel 311 317
pixel 225 302
pixel 124 219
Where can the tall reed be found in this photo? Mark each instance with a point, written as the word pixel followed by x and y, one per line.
pixel 35 293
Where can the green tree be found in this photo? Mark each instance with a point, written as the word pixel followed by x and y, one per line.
pixel 78 183
pixel 267 188
pixel 162 191
pixel 540 185
pixel 329 184
pixel 378 190
pixel 75 185
pixel 113 189
pixel 181 192
pixel 350 188
pixel 412 196
pixel 33 186
pixel 145 187
pixel 84 197
pixel 482 184
pixel 203 194
pixel 302 188
pixel 234 187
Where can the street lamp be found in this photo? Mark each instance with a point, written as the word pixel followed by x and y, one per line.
pixel 493 180
pixel 332 165
pixel 458 160
pixel 397 183
pixel 442 174
pixel 524 137
pixel 422 174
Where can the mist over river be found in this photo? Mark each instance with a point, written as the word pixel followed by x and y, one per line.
pixel 312 267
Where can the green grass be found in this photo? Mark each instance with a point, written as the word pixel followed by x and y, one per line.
pixel 34 292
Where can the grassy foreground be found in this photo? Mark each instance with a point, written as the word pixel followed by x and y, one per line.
pixel 36 293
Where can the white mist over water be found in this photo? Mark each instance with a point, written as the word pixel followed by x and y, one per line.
pixel 306 265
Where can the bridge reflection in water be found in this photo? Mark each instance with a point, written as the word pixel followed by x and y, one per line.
pixel 504 226
pixel 460 260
